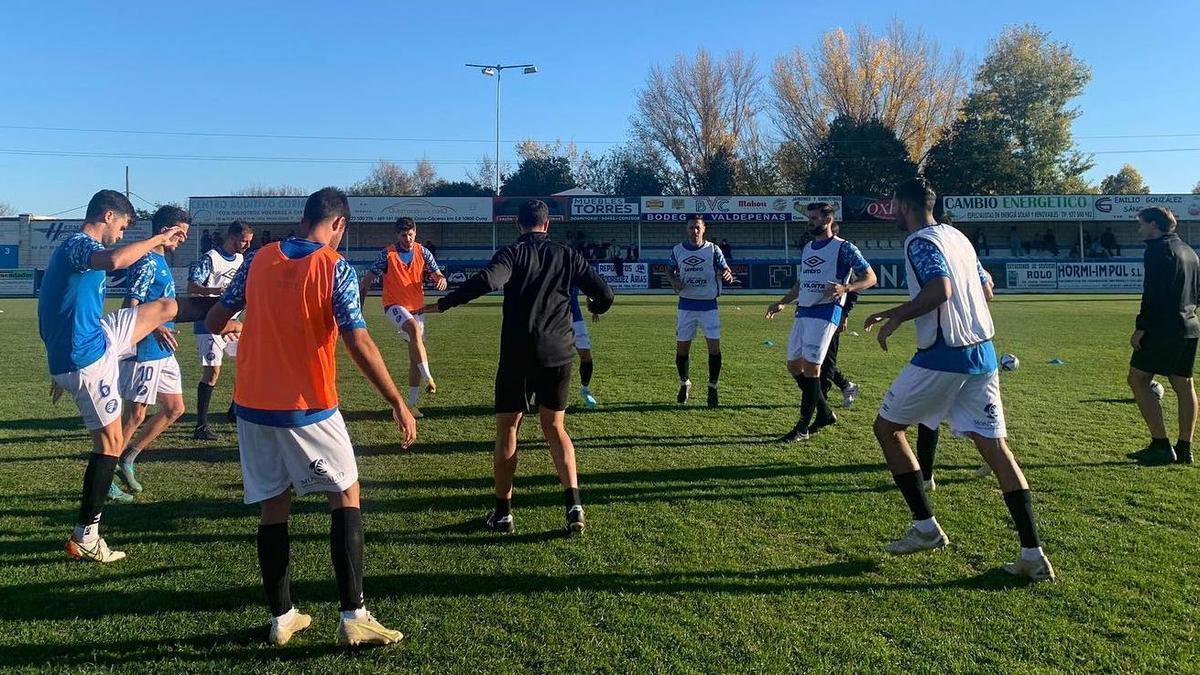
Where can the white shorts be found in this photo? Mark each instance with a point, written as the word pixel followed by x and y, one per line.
pixel 96 388
pixel 582 339
pixel 688 320
pixel 214 348
pixel 810 339
pixel 400 316
pixel 971 403
pixel 312 458
pixel 143 381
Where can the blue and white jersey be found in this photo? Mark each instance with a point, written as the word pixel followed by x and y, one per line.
pixel 821 262
pixel 214 269
pixel 150 279
pixel 347 310
pixel 380 266
pixel 965 317
pixel 70 302
pixel 699 268
pixel 576 311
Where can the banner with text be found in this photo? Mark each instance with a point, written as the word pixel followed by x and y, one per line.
pixel 1041 276
pixel 742 209
pixel 505 208
pixel 1115 276
pixel 1126 207
pixel 46 235
pixel 1012 208
pixel 16 282
pixel 613 209
pixel 634 276
pixel 288 210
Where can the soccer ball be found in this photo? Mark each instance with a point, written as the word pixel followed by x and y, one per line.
pixel 1157 388
pixel 1009 362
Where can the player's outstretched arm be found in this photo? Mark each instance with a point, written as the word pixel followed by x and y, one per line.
pixel 124 256
pixel 935 292
pixel 491 278
pixel 365 284
pixel 786 300
pixel 366 356
pixel 599 294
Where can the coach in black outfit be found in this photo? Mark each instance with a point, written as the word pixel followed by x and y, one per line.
pixel 537 348
pixel 1164 342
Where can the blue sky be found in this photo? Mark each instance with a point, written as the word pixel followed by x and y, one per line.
pixel 396 70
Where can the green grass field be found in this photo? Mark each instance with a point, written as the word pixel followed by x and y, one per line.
pixel 709 549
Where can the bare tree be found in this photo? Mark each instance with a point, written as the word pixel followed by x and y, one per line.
pixel 697 110
pixel 6 209
pixel 899 78
pixel 281 190
pixel 484 174
pixel 387 178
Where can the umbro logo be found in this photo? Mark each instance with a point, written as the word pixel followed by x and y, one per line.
pixel 813 260
pixel 693 260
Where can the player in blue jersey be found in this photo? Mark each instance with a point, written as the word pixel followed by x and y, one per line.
pixel 823 280
pixel 583 346
pixel 152 375
pixel 953 376
pixel 697 269
pixel 84 346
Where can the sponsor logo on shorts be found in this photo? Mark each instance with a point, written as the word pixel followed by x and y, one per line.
pixel 143 390
pixel 111 406
pixel 319 466
pixel 990 410
pixel 991 419
pixel 210 356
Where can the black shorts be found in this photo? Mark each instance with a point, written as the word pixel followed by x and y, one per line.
pixel 516 383
pixel 1165 355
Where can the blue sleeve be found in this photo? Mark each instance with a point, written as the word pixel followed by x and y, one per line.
pixel 984 277
pixel 431 266
pixel 852 259
pixel 347 311
pixel 234 296
pixel 719 258
pixel 380 266
pixel 141 275
pixel 927 260
pixel 199 271
pixel 79 250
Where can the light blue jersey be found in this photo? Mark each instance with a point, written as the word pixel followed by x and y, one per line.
pixel 150 279
pixel 70 303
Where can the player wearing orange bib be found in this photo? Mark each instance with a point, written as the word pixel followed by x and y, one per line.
pixel 403 268
pixel 300 295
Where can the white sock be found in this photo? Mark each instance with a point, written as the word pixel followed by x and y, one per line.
pixel 130 456
pixel 1031 553
pixel 88 534
pixel 414 393
pixel 286 616
pixel 360 613
pixel 927 526
pixel 423 368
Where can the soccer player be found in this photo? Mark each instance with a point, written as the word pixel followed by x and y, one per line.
pixel 84 348
pixel 831 374
pixel 152 375
pixel 299 295
pixel 697 269
pixel 404 267
pixel 827 264
pixel 536 349
pixel 208 277
pixel 1165 335
pixel 583 345
pixel 954 376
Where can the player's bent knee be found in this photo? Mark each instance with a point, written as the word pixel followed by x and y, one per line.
pixel 885 431
pixel 1138 379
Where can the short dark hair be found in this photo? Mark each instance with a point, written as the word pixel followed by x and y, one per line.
pixel 108 200
pixel 1158 216
pixel 825 208
pixel 917 193
pixel 168 216
pixel 325 204
pixel 239 227
pixel 695 216
pixel 532 213
pixel 404 224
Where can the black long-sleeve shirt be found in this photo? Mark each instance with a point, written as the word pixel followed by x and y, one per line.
pixel 537 276
pixel 1171 288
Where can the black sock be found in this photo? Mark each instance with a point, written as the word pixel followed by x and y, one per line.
pixel 503 507
pixel 914 494
pixel 1159 443
pixel 585 372
pixel 823 408
pixel 927 442
pixel 714 368
pixel 1183 446
pixel 203 398
pixel 809 388
pixel 572 497
pixel 346 549
pixel 96 479
pixel 681 364
pixel 1020 507
pixel 838 378
pixel 274 556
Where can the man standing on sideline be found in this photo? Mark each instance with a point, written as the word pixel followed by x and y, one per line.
pixel 954 375
pixel 697 269
pixel 208 277
pixel 299 295
pixel 827 264
pixel 152 375
pixel 1165 335
pixel 537 349
pixel 404 266
pixel 84 348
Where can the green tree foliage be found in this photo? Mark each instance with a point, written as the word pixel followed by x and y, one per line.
pixel 538 176
pixel 860 158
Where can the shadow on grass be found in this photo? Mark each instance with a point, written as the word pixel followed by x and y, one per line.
pixel 1128 400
